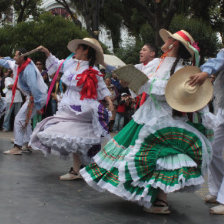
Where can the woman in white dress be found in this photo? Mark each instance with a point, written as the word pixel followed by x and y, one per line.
pixel 81 120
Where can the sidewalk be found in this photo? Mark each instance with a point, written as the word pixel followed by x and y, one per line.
pixel 31 193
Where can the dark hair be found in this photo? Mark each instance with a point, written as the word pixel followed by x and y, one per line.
pixel 22 51
pixel 10 72
pixel 152 48
pixel 38 61
pixel 91 56
pixel 181 54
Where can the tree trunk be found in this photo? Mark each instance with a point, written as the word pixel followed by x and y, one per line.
pixel 69 11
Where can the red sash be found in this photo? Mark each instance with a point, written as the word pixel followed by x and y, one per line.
pixel 19 70
pixel 89 81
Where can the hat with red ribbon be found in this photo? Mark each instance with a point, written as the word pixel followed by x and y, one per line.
pixel 186 39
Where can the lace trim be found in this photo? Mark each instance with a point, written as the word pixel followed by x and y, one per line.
pixel 175 162
pixel 153 126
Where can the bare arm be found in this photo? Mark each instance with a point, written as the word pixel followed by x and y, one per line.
pixel 108 100
pixel 44 50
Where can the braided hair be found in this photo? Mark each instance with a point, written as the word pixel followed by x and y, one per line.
pixel 181 54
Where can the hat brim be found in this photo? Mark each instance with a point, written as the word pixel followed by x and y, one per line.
pixel 165 34
pixel 73 44
pixel 193 102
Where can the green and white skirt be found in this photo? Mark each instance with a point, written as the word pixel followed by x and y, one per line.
pixel 165 154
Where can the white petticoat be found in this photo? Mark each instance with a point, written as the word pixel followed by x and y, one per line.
pixel 70 131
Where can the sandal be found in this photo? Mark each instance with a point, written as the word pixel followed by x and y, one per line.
pixel 210 199
pixel 159 207
pixel 217 210
pixel 71 175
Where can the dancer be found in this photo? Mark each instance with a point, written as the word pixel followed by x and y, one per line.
pixel 81 120
pixel 32 85
pixel 156 153
pixel 216 168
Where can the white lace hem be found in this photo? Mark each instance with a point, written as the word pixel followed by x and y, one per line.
pixel 174 162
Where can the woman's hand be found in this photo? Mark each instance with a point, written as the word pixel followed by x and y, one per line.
pixel 44 50
pixel 198 78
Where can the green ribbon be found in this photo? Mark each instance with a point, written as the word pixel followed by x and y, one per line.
pixel 196 54
pixel 153 97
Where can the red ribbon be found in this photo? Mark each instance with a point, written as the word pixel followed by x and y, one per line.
pixel 53 83
pixel 184 36
pixel 143 99
pixel 19 70
pixel 89 81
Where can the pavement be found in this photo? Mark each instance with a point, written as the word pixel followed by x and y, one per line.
pixel 31 193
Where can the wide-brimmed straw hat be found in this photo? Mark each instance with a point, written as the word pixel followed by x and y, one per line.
pixel 184 37
pixel 183 97
pixel 73 44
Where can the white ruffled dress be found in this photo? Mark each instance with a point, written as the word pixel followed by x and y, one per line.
pixel 78 124
pixel 154 150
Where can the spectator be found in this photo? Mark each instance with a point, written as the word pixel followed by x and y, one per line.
pixel 130 109
pixel 46 112
pixel 17 103
pixel 57 94
pixel 120 114
pixel 115 81
pixel 113 98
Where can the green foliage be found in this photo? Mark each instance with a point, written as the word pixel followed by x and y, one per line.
pixel 5 5
pixel 130 53
pixel 200 31
pixel 113 22
pixel 26 8
pixel 53 32
pixel 147 34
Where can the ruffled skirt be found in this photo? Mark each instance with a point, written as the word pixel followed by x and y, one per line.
pixel 72 130
pixel 166 153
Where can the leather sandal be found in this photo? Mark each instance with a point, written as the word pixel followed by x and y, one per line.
pixel 159 207
pixel 217 210
pixel 210 199
pixel 71 175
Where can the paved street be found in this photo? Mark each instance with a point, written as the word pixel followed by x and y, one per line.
pixel 30 193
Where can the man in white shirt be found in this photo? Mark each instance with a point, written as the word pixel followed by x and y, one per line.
pixel 9 81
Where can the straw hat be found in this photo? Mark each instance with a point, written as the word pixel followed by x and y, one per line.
pixel 183 97
pixel 73 44
pixel 183 36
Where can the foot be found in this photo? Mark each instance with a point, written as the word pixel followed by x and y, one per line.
pixel 210 199
pixel 217 210
pixel 159 207
pixel 12 140
pixel 14 151
pixel 71 175
pixel 26 149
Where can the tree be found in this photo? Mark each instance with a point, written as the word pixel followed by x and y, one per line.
pixel 26 8
pixel 201 32
pixel 41 32
pixel 5 5
pixel 90 10
pixel 217 19
pixel 69 10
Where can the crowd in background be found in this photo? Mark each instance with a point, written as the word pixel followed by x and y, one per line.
pixel 6 83
pixel 124 104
